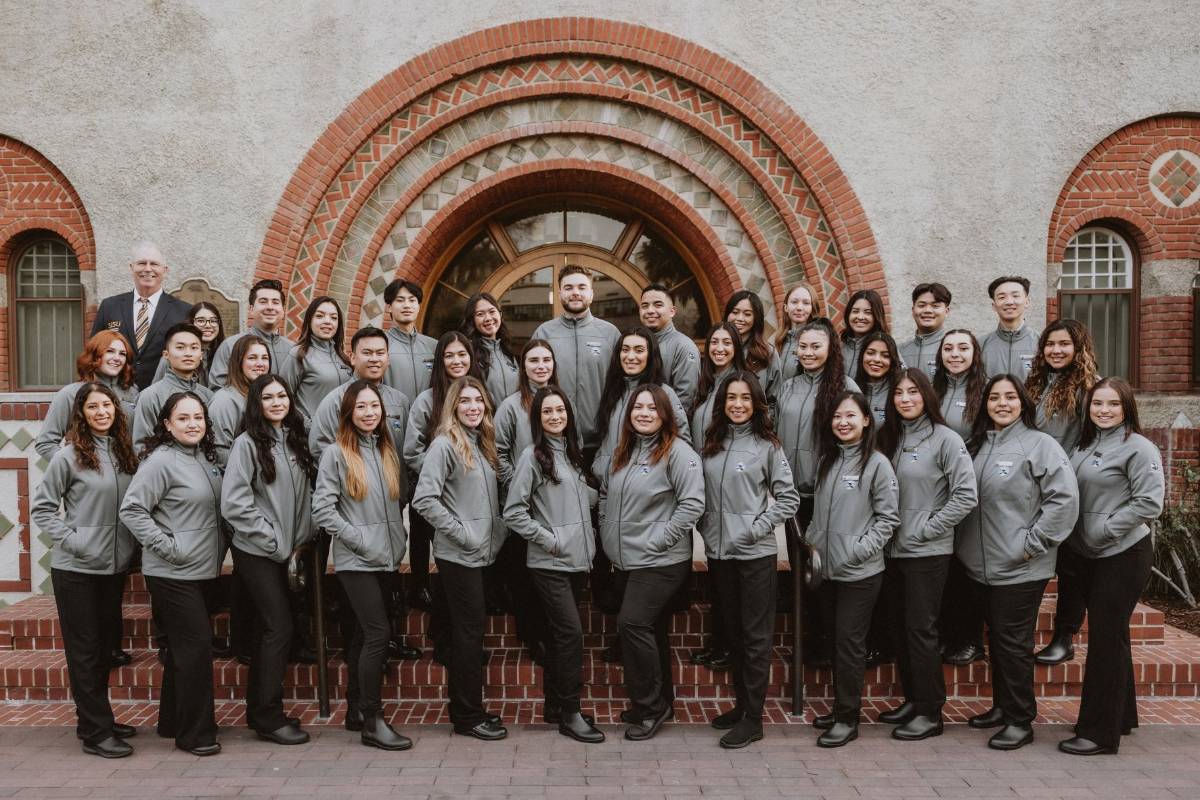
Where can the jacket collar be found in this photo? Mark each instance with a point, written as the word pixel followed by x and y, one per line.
pixel 1011 336
pixel 1013 431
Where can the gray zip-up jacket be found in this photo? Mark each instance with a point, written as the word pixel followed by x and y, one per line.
pixel 201 372
pixel 921 351
pixel 152 399
pixel 1028 504
pixel 322 432
pixel 1121 488
pixel 503 373
pixel 279 345
pixel 937 489
pixel 582 349
pixel 647 510
pixel 89 537
pixel 58 415
pixel 266 519
pixel 612 434
pixel 318 374
pixel 851 351
pixel 410 362
pixel 225 414
pixel 878 394
pixel 855 515
pixel 771 380
pixel 954 405
pixel 702 416
pixel 555 518
pixel 512 435
pixel 173 508
pixel 1065 428
pixel 789 362
pixel 748 490
pixel 794 422
pixel 1009 352
pixel 462 505
pixel 681 362
pixel 368 534
pixel 415 444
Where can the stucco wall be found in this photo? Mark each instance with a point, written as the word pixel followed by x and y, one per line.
pixel 956 123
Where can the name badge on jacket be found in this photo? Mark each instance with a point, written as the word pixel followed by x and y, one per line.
pixel 1004 467
pixel 850 482
pixel 113 325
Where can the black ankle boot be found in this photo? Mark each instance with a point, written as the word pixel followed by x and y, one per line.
pixel 917 728
pixel 1060 649
pixel 842 733
pixel 377 732
pixel 354 716
pixel 1012 737
pixel 900 714
pixel 577 727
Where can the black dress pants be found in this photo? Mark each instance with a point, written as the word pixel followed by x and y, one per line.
pixel 1072 570
pixel 644 622
pixel 463 588
pixel 562 674
pixel 116 620
pixel 817 635
pixel 185 708
pixel 420 541
pixel 915 601
pixel 85 613
pixel 1113 585
pixel 516 584
pixel 266 581
pixel 1011 614
pixel 847 607
pixel 366 655
pixel 961 621
pixel 746 596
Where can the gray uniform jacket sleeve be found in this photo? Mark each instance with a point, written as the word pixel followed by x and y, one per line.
pixel 506 434
pixel 685 372
pixel 148 487
pixel 885 510
pixel 224 417
pixel 326 494
pixel 1059 502
pixel 1146 488
pixel 322 433
pixel 291 369
pixel 218 370
pixel 49 497
pixel 681 417
pixel 783 491
pixel 687 479
pixel 524 482
pixel 58 417
pixel 963 495
pixel 143 420
pixel 438 464
pixel 237 497
pixel 415 446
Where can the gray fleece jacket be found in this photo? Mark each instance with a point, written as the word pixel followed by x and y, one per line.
pixel 415 444
pixel 794 422
pixel 1065 428
pixel 789 362
pixel 681 362
pixel 1121 487
pixel 702 415
pixel 225 414
pixel 314 376
pixel 89 537
pixel 1028 504
pixel 878 394
pixel 647 510
pixel 152 399
pixel 512 435
pixel 612 433
pixel 266 519
pixel 279 345
pixel 855 515
pixel 1009 352
pixel 58 415
pixel 582 349
pixel 937 489
pixel 503 374
pixel 921 351
pixel 410 362
pixel 954 405
pixel 173 508
pixel 748 490
pixel 322 431
pixel 851 352
pixel 368 534
pixel 462 505
pixel 555 518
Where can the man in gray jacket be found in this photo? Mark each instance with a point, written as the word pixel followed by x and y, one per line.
pixel 184 355
pixel 930 307
pixel 1011 347
pixel 680 356
pixel 266 314
pixel 410 353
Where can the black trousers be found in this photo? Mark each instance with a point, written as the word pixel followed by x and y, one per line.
pixel 961 621
pixel 1011 614
pixel 266 581
pixel 366 655
pixel 85 613
pixel 1071 607
pixel 847 607
pixel 1112 587
pixel 644 622
pixel 562 674
pixel 116 619
pixel 915 599
pixel 464 597
pixel 420 541
pixel 817 636
pixel 746 595
pixel 514 582
pixel 185 708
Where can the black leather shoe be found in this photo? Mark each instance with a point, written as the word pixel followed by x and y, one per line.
pixel 726 721
pixel 823 722
pixel 961 656
pixel 111 747
pixel 123 731
pixel 647 728
pixel 420 599
pixel 221 648
pixel 720 661
pixel 630 717
pixel 842 733
pixel 900 714
pixel 744 732
pixel 286 734
pixel 487 730
pixel 1079 746
pixel 700 657
pixel 579 728
pixel 552 715
pixel 917 728
pixel 119 658
pixel 992 718
pixel 354 717
pixel 1059 650
pixel 400 650
pixel 1011 737
pixel 205 749
pixel 377 733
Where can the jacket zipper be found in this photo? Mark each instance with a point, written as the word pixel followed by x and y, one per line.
pixel 982 511
pixel 829 513
pixel 620 506
pixel 721 500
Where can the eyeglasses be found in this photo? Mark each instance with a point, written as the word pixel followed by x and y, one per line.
pixel 205 322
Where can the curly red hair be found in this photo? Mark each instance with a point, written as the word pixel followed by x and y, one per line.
pixel 87 366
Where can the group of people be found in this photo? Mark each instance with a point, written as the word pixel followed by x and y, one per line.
pixel 931 487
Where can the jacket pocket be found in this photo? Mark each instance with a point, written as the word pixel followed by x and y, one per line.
pixel 840 548
pixel 1009 550
pixel 192 548
pixel 913 533
pixel 90 545
pixel 376 545
pixel 1095 535
pixel 477 534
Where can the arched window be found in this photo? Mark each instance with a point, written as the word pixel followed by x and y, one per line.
pixel 48 299
pixel 1097 288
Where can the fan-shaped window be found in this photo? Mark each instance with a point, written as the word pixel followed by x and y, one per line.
pixel 1096 288
pixel 48 298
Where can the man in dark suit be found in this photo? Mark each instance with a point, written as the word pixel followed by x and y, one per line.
pixel 143 315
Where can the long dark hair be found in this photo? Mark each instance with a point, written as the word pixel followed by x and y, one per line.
pixel 468 328
pixel 541 444
pixel 1089 432
pixel 827 442
pixel 860 373
pixel 261 431
pixel 79 433
pixel 614 378
pixel 875 301
pixel 832 381
pixel 708 370
pixel 760 419
pixel 1075 381
pixel 888 438
pixel 666 434
pixel 524 388
pixel 161 437
pixel 756 351
pixel 212 346
pixel 306 332
pixel 439 382
pixel 976 377
pixel 983 422
pixel 237 378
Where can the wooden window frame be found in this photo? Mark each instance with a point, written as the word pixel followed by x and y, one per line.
pixel 18 249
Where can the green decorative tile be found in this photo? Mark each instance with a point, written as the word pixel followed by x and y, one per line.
pixel 6 525
pixel 22 439
pixel 3 438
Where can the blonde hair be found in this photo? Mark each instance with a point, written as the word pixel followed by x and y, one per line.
pixel 453 430
pixel 347 442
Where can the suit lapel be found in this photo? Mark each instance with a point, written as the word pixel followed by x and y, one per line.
pixel 160 313
pixel 125 314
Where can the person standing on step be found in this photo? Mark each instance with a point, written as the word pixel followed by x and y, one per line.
pixel 937 491
pixel 172 507
pixel 459 495
pixel 930 307
pixel 549 502
pixel 1013 345
pixel 748 492
pixel 88 477
pixel 266 316
pixel 266 499
pixel 800 306
pixel 680 356
pixel 744 310
pixel 184 354
pixel 1028 503
pixel 207 319
pixel 483 324
pixel 1121 489
pixel 360 484
pixel 318 364
pixel 249 359
pixel 649 500
pixel 856 514
pixel 864 315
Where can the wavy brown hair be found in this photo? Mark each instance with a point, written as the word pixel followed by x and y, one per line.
pixel 860 372
pixel 1075 381
pixel 760 419
pixel 452 429
pixel 347 442
pixel 1132 424
pixel 161 437
pixel 541 448
pixel 983 421
pixel 976 377
pixel 87 366
pixel 79 434
pixel 833 382
pixel 307 336
pixel 708 370
pixel 878 314
pixel 527 391
pixel 237 354
pixel 890 432
pixel 755 349
pixel 666 434
pixel 262 433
